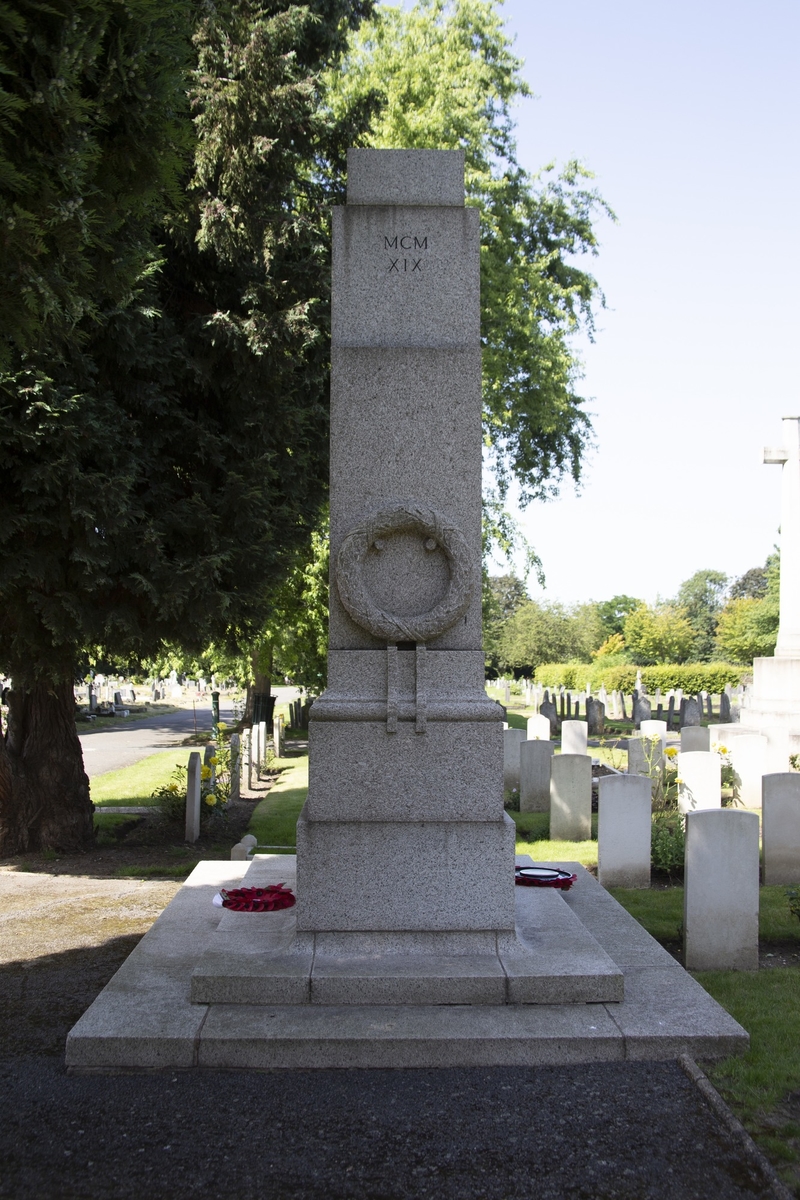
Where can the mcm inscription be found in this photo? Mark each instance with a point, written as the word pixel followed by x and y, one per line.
pixel 404 264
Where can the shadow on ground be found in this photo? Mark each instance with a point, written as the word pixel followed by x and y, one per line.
pixel 636 1130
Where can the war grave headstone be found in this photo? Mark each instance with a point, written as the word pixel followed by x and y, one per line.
pixel 624 831
pixel 538 727
pixel 512 741
pixel 695 737
pixel 571 797
pixel 409 944
pixel 781 828
pixel 574 737
pixel 536 759
pixel 690 711
pixel 720 899
pixel 700 775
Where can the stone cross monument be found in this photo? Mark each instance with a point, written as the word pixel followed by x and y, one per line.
pixel 403 841
pixel 788 456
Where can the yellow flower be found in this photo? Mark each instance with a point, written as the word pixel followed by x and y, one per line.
pixel 211 799
pixel 213 761
pixel 205 772
pixel 222 725
pixel 671 751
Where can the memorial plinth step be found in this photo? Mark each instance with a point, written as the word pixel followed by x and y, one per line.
pixel 258 958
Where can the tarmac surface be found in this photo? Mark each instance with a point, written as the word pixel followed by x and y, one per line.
pixel 630 1130
pixel 110 749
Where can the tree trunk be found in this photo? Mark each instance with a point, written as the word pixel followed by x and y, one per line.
pixel 261 681
pixel 44 790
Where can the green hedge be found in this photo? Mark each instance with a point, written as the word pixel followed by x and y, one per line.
pixel 692 677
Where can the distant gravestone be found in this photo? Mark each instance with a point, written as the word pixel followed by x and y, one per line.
pixel 671 713
pixel 645 756
pixel 512 740
pixel 699 772
pixel 725 707
pixel 654 729
pixel 548 709
pixel 695 737
pixel 641 711
pixel 691 712
pixel 536 758
pixel 193 798
pixel 720 898
pixel 624 826
pixel 781 828
pixel 574 737
pixel 571 798
pixel 595 716
pixel 539 727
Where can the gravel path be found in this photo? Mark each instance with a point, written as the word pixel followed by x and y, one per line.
pixel 634 1131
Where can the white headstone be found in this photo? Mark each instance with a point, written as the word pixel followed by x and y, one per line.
pixel 748 755
pixel 512 740
pixel 538 728
pixel 624 825
pixel 695 737
pixel 574 737
pixel 700 780
pixel 534 775
pixel 653 728
pixel 781 828
pixel 571 798
pixel 720 899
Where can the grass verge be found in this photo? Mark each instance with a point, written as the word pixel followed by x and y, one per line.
pixel 533 837
pixel 274 820
pixel 763 1086
pixel 133 785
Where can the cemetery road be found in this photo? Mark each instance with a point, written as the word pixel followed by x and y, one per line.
pixel 110 749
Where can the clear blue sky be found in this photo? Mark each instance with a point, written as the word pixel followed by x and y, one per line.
pixel 688 115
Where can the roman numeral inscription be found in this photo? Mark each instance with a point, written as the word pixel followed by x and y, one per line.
pixel 404 266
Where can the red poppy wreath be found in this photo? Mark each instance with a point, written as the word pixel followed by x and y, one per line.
pixel 267 899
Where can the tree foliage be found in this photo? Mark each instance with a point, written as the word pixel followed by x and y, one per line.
pixel 447 79
pixel 163 412
pixel 748 624
pixel 701 597
pixel 660 634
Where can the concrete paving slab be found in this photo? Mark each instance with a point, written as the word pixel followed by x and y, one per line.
pixel 408 978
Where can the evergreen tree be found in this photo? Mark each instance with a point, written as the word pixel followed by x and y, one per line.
pixel 163 411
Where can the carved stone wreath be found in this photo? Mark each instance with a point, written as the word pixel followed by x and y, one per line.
pixel 405 517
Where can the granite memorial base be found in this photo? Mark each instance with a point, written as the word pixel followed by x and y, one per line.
pixel 580 981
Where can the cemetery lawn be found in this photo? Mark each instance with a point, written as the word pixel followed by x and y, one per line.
pixel 533 837
pixel 762 1086
pixel 134 785
pixel 275 818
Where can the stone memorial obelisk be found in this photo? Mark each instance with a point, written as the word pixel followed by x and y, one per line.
pixel 406 896
pixel 403 843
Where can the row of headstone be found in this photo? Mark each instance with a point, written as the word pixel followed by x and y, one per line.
pixel 700 767
pixel 678 710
